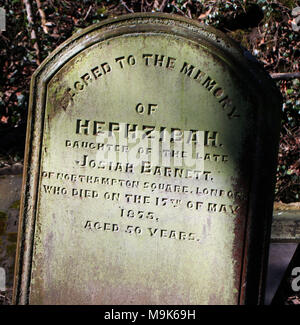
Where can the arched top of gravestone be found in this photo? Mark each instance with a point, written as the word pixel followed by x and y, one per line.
pixel 206 37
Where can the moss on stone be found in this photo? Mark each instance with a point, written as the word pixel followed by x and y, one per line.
pixel 15 205
pixel 2 226
pixel 3 214
pixel 12 237
pixel 11 249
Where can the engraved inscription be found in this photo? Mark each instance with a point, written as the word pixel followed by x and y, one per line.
pixel 160 61
pixel 144 193
pixel 93 142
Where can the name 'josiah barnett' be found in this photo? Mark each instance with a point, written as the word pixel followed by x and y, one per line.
pixel 145 168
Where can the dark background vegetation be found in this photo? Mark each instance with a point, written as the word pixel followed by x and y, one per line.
pixel 264 27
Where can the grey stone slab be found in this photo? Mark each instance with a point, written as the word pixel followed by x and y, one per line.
pixel 286 226
pixel 10 193
pixel 150 159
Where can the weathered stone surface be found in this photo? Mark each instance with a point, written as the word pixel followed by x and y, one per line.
pixel 286 226
pixel 151 147
pixel 10 191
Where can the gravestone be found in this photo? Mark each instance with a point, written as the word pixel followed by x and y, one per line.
pixel 151 151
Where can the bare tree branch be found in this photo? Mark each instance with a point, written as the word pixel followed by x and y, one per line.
pixel 43 17
pixel 285 75
pixel 88 12
pixel 163 5
pixel 27 5
pixel 128 9
pixel 156 5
